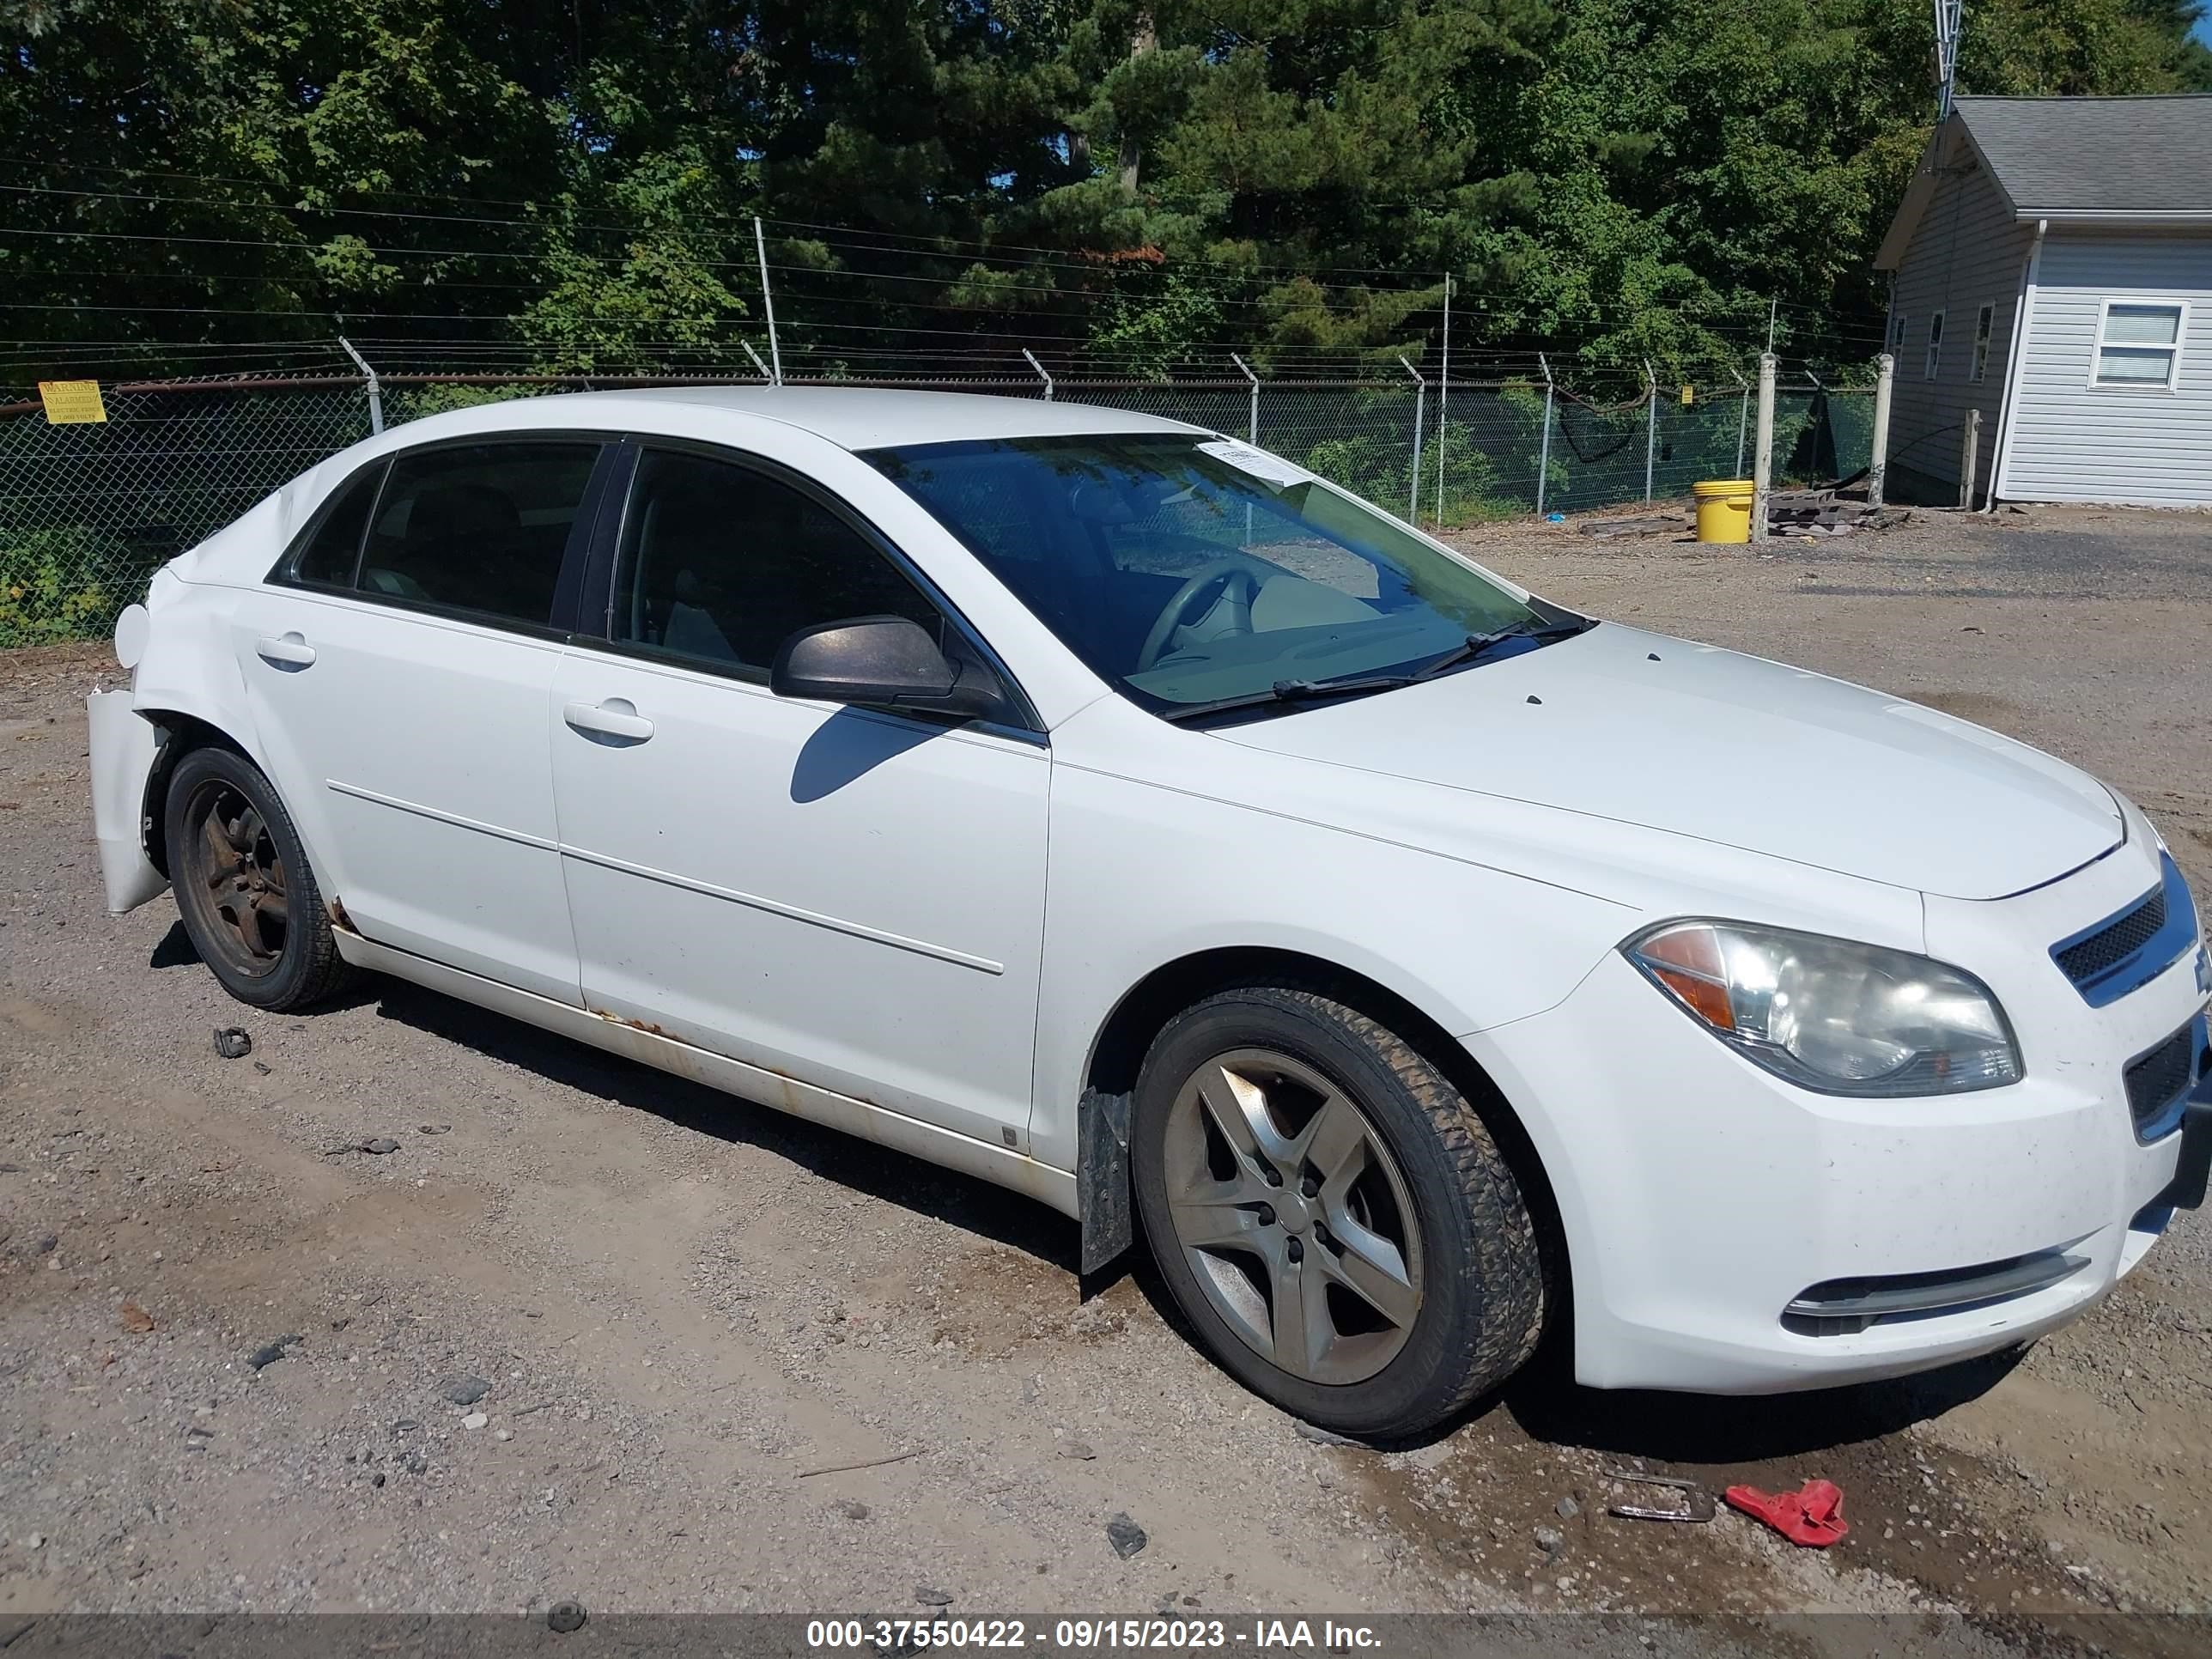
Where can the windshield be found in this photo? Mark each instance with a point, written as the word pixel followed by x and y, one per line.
pixel 1190 571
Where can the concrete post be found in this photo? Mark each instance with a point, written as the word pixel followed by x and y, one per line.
pixel 1878 462
pixel 1970 455
pixel 1762 460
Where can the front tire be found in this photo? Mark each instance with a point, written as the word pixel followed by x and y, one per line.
pixel 244 887
pixel 1331 1214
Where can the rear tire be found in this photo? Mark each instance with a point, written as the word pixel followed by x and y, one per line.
pixel 1330 1212
pixel 243 888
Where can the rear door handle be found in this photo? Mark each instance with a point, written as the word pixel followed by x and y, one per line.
pixel 285 651
pixel 616 717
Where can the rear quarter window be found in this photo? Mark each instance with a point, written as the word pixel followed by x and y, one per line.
pixel 331 554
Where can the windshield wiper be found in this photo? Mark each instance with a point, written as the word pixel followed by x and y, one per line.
pixel 1474 649
pixel 1287 691
pixel 1479 646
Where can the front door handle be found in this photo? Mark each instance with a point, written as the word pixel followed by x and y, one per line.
pixel 285 651
pixel 617 718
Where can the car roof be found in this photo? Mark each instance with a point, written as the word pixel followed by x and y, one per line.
pixel 869 417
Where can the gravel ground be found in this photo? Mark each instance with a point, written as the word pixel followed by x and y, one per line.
pixel 593 1332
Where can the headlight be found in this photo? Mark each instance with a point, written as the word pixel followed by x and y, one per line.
pixel 1829 1015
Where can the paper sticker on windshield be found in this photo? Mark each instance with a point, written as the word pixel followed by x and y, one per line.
pixel 1271 468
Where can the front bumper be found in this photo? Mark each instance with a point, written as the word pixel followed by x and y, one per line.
pixel 123 753
pixel 1701 1196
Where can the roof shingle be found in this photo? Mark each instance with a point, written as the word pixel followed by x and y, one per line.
pixel 2117 155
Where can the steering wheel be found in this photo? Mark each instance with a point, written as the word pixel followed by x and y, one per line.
pixel 1219 579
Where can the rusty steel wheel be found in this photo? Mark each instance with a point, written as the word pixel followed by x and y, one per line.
pixel 237 875
pixel 243 886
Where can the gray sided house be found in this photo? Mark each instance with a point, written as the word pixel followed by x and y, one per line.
pixel 2052 268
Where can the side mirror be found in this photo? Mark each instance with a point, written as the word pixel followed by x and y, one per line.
pixel 875 659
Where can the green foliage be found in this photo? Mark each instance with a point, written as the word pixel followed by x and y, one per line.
pixel 48 591
pixel 2024 47
pixel 623 310
pixel 1145 325
pixel 414 401
pixel 571 186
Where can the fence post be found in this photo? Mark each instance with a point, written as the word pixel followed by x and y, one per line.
pixel 1253 437
pixel 1650 424
pixel 1742 417
pixel 1443 399
pixel 1970 455
pixel 375 391
pixel 1414 492
pixel 1878 462
pixel 757 363
pixel 1544 444
pixel 1041 375
pixel 768 299
pixel 1762 463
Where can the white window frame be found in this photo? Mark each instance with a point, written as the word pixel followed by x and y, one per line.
pixel 1931 362
pixel 2161 302
pixel 1985 327
pixel 1898 325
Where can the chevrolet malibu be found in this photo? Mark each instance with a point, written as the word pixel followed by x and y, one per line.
pixel 1117 812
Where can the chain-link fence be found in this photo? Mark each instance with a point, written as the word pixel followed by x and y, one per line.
pixel 87 512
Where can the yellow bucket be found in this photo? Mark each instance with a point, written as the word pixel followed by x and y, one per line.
pixel 1724 509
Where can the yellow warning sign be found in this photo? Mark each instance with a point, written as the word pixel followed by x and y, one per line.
pixel 72 402
pixel 1689 394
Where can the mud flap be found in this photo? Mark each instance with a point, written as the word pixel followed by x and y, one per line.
pixel 1102 1178
pixel 121 759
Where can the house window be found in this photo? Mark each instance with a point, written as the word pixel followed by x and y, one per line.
pixel 1897 331
pixel 2139 343
pixel 1934 361
pixel 1984 321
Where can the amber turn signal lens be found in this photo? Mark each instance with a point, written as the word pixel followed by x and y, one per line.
pixel 1688 962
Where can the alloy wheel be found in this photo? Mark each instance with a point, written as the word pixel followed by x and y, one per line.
pixel 1293 1216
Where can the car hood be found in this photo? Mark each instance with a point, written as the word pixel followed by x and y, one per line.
pixel 1695 740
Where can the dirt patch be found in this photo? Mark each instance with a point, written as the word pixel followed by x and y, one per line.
pixel 998 1303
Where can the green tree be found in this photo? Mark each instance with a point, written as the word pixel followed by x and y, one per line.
pixel 571 184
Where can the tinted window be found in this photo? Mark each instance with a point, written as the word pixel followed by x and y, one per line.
pixel 478 527
pixel 334 548
pixel 721 563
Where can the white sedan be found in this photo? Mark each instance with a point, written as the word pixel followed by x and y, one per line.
pixel 1121 814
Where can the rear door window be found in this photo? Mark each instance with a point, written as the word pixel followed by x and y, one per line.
pixel 481 528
